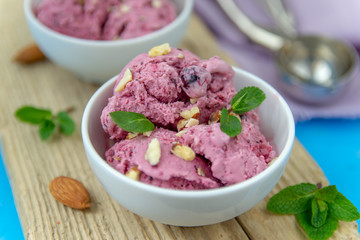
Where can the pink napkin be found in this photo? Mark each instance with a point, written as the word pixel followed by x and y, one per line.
pixel 328 17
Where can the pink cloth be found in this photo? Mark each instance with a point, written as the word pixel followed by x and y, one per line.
pixel 337 18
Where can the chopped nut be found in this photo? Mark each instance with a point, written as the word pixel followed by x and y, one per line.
pixel 179 134
pixel 215 117
pixel 156 3
pixel 153 153
pixel 193 100
pixel 185 123
pixel 192 122
pixel 200 172
pixel 160 50
pixel 147 134
pixel 192 113
pixel 183 151
pixel 131 135
pixel 117 158
pixel 133 173
pixel 181 124
pixel 125 8
pixel 180 55
pixel 125 79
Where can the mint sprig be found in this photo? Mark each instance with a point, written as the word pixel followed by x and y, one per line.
pixel 132 122
pixel 317 210
pixel 46 120
pixel 245 100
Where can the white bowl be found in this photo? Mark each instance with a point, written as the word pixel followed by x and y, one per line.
pixel 201 207
pixel 97 61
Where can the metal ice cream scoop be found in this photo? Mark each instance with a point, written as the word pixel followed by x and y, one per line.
pixel 314 69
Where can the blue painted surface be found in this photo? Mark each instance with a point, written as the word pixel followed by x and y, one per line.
pixel 334 144
pixel 9 222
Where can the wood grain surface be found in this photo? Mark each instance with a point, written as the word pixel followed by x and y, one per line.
pixel 31 163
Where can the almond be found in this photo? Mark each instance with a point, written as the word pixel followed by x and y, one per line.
pixel 124 80
pixel 179 134
pixel 153 152
pixel 192 122
pixel 201 172
pixel 70 192
pixel 191 113
pixel 133 173
pixel 147 134
pixel 215 117
pixel 185 123
pixel 183 151
pixel 163 49
pixel 131 135
pixel 29 54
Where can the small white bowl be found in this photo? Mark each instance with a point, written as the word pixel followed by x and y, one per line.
pixel 201 207
pixel 97 61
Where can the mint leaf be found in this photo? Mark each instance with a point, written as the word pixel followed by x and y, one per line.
pixel 327 194
pixel 293 199
pixel 319 211
pixel 247 99
pixel 323 232
pixel 229 124
pixel 342 209
pixel 66 124
pixel 132 122
pixel 244 100
pixel 46 129
pixel 46 120
pixel 33 115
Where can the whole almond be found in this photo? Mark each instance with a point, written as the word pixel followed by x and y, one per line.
pixel 29 54
pixel 70 192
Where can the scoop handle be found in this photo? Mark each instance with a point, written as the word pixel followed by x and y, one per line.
pixel 257 34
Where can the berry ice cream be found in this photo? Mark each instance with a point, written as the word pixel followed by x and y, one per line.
pixel 182 96
pixel 105 19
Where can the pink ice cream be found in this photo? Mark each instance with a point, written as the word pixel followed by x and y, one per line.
pixel 106 19
pixel 171 172
pixel 162 88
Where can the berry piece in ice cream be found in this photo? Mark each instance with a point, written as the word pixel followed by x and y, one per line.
pixel 195 81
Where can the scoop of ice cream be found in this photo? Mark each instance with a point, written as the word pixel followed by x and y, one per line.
pixel 170 172
pixel 105 19
pixel 157 89
pixel 182 95
pixel 131 19
pixel 234 159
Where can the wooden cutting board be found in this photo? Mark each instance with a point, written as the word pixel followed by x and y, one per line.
pixel 31 163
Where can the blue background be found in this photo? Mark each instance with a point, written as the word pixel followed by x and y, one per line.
pixel 334 144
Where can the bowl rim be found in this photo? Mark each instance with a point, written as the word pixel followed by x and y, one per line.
pixel 181 17
pixel 281 159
